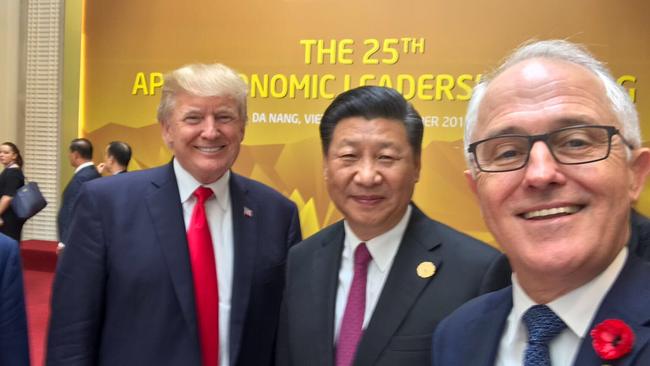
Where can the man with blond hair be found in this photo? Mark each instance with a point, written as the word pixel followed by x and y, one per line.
pixel 181 264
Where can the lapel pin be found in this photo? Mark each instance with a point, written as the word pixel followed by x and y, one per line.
pixel 426 269
pixel 248 212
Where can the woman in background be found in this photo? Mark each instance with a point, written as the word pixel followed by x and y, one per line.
pixel 11 179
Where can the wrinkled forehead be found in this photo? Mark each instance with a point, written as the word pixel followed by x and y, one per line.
pixel 555 91
pixel 187 101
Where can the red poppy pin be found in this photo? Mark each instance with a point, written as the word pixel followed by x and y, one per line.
pixel 612 339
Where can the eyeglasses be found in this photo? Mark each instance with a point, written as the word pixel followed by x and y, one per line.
pixel 569 145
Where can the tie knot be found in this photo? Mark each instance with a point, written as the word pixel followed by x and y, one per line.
pixel 362 255
pixel 202 194
pixel 542 323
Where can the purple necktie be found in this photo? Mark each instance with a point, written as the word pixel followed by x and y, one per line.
pixel 352 323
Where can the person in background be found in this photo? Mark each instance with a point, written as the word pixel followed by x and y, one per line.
pixel 555 158
pixel 370 289
pixel 11 179
pixel 14 345
pixel 116 158
pixel 182 264
pixel 81 158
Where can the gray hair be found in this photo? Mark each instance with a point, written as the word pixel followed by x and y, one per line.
pixel 558 49
pixel 204 80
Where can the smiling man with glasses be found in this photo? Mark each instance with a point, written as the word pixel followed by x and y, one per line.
pixel 569 145
pixel 555 158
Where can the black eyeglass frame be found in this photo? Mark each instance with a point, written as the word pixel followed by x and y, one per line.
pixel 544 137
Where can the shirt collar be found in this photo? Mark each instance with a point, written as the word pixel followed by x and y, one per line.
pixel 83 165
pixel 578 307
pixel 382 248
pixel 187 184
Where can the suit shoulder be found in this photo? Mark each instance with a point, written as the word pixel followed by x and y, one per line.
pixel 327 235
pixel 129 182
pixel 87 173
pixel 461 241
pixel 480 306
pixel 260 189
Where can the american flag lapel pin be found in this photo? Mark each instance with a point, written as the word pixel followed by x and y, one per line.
pixel 248 212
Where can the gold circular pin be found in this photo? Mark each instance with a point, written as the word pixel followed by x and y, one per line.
pixel 426 269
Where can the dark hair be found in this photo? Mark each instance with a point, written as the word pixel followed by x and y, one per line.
pixel 15 150
pixel 120 151
pixel 83 146
pixel 372 102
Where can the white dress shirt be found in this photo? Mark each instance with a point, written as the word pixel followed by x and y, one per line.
pixel 576 308
pixel 219 215
pixel 383 249
pixel 83 165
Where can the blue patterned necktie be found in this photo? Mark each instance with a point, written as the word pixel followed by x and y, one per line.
pixel 543 325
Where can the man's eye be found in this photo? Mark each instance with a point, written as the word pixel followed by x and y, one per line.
pixel 348 157
pixel 192 119
pixel 386 158
pixel 508 154
pixel 574 143
pixel 224 118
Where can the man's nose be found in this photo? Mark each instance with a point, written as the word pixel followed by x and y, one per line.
pixel 367 173
pixel 210 128
pixel 542 168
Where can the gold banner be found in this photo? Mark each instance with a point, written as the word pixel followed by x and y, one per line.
pixel 297 55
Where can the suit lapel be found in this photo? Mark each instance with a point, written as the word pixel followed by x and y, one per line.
pixel 327 261
pixel 166 214
pixel 245 248
pixel 484 332
pixel 629 301
pixel 401 290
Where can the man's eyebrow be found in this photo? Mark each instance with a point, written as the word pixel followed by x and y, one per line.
pixel 561 123
pixel 511 130
pixel 190 109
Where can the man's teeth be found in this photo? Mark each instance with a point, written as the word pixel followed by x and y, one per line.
pixel 209 149
pixel 551 212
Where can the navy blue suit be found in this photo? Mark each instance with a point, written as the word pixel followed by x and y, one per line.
pixel 641 245
pixel 14 347
pixel 471 335
pixel 409 307
pixel 123 292
pixel 70 194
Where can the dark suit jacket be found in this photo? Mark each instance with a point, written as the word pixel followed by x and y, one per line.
pixel 123 292
pixel 471 335
pixel 641 228
pixel 14 348
pixel 409 307
pixel 70 194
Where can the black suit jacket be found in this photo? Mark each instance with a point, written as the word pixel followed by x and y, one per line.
pixel 409 307
pixel 640 243
pixel 70 194
pixel 123 292
pixel 14 347
pixel 471 335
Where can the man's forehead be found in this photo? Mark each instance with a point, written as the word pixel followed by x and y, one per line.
pixel 531 73
pixel 547 85
pixel 189 101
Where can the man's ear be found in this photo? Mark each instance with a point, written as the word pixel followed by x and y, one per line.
pixel 471 180
pixel 166 135
pixel 639 169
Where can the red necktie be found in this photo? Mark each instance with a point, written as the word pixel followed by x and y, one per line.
pixel 204 272
pixel 352 322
